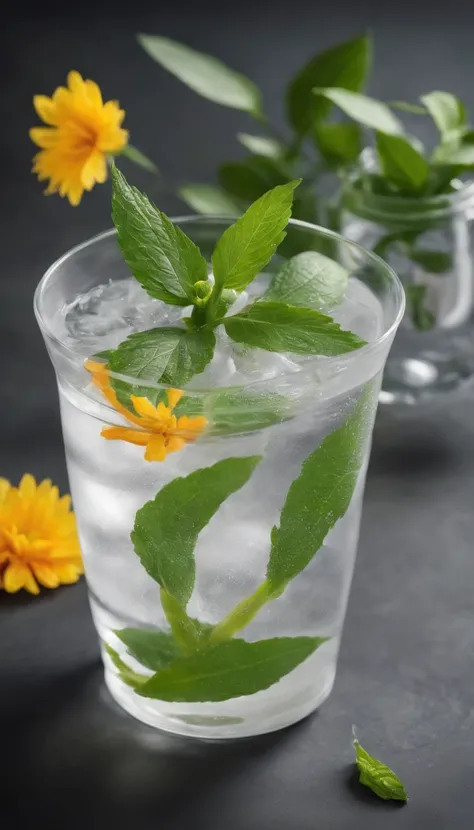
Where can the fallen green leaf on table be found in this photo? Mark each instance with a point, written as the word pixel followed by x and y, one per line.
pixel 378 777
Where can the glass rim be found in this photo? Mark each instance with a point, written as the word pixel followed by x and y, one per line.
pixel 356 354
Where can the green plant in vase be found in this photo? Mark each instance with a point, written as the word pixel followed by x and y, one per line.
pixel 409 197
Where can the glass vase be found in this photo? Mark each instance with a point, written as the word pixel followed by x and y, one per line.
pixel 427 241
pixel 230 626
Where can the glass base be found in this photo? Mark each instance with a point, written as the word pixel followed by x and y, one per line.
pixel 179 719
pixel 409 380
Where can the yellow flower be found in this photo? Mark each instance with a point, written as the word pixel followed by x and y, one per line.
pixel 83 131
pixel 38 538
pixel 160 431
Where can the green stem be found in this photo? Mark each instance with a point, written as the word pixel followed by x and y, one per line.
pixel 242 614
pixel 182 627
pixel 199 317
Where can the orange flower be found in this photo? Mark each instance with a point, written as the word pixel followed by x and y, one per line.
pixel 82 133
pixel 159 431
pixel 38 538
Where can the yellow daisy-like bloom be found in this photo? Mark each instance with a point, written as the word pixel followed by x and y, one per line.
pixel 38 537
pixel 83 132
pixel 159 431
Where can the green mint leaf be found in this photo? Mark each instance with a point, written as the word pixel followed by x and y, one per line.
pixel 166 528
pixel 234 411
pixel 164 355
pixel 309 279
pixel 250 179
pixel 137 157
pixel 364 110
pixel 248 245
pixel 230 669
pixel 435 262
pixel 278 327
pixel 126 674
pixel 338 143
pixel 422 317
pixel 320 495
pixel 401 163
pixel 345 65
pixel 405 106
pixel 373 774
pixel 204 74
pixel 208 199
pixel 261 145
pixel 447 112
pixel 153 649
pixel 160 256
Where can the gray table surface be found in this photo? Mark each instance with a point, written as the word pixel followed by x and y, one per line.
pixel 406 673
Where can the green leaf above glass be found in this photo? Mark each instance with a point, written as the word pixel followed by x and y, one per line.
pixel 217 400
pixel 312 145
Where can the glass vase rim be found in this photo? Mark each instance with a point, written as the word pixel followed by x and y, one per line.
pixel 349 357
pixel 403 207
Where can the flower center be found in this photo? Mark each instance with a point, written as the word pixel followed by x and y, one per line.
pixel 84 138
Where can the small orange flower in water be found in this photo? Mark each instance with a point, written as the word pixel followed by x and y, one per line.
pixel 82 133
pixel 38 537
pixel 160 431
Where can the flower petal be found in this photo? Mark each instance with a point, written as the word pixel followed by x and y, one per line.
pixel 132 436
pixel 75 81
pixel 44 136
pixel 144 407
pixel 174 444
pixel 163 412
pixel 46 109
pixel 45 575
pixel 16 576
pixel 27 486
pixel 94 94
pixel 68 574
pixel 156 449
pixel 74 194
pixel 174 395
pixel 4 489
pixel 191 427
pixel 94 170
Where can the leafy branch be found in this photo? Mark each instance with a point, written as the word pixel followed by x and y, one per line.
pixel 312 145
pixel 196 661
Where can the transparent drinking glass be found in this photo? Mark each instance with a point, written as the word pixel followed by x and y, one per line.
pixel 428 243
pixel 236 633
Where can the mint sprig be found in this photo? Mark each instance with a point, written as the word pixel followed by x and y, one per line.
pixel 171 268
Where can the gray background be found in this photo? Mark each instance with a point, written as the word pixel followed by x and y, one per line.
pixel 406 674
